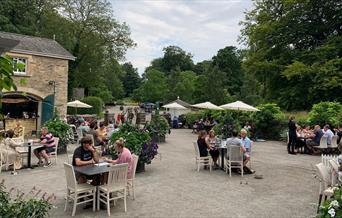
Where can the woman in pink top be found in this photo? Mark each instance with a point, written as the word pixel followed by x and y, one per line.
pixel 125 156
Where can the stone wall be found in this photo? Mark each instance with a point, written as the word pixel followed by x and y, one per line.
pixel 41 70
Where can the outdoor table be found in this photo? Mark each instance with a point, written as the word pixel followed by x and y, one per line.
pixel 221 146
pixel 29 146
pixel 93 169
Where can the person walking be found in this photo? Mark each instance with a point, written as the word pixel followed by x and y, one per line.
pixel 292 135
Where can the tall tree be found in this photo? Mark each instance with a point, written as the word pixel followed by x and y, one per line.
pixel 131 79
pixel 294 50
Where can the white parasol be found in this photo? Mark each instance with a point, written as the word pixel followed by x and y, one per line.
pixel 240 106
pixel 207 105
pixel 78 104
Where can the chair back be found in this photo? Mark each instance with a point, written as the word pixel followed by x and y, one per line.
pixel 287 138
pixel 117 176
pixel 235 154
pixel 197 153
pixel 56 146
pixel 135 163
pixel 334 171
pixel 324 176
pixel 334 142
pixel 70 176
pixel 323 142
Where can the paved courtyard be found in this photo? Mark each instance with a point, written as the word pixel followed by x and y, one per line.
pixel 171 187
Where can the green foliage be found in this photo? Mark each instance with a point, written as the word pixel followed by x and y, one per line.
pixel 326 113
pixel 332 207
pixel 135 139
pixel 21 207
pixel 158 126
pixel 154 88
pixel 294 51
pixel 191 117
pixel 6 73
pixel 59 129
pixel 131 80
pixel 269 121
pixel 96 102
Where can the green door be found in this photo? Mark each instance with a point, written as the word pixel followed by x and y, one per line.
pixel 47 109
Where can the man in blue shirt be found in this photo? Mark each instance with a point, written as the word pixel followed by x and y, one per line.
pixel 247 144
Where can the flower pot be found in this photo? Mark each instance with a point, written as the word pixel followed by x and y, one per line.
pixel 140 167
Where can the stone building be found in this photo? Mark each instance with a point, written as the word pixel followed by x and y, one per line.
pixel 41 85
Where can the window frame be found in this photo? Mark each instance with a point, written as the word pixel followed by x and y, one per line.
pixel 16 71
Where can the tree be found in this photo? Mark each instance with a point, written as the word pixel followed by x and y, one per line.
pixel 154 88
pixel 228 61
pixel 185 86
pixel 294 50
pixel 131 79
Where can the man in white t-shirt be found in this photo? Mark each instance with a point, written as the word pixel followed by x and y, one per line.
pixel 328 133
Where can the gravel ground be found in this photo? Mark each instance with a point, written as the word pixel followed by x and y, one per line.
pixel 171 187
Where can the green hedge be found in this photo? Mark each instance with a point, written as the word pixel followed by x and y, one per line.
pixel 326 113
pixel 96 102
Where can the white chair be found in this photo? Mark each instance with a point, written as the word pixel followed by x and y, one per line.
pixel 334 144
pixel 130 182
pixel 77 192
pixel 205 161
pixel 334 172
pixel 235 159
pixel 325 189
pixel 323 145
pixel 55 152
pixel 115 188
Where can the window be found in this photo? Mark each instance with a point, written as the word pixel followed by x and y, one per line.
pixel 16 70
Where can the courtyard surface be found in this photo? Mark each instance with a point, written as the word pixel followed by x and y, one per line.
pixel 171 187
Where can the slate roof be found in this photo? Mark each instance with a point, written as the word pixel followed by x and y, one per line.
pixel 37 46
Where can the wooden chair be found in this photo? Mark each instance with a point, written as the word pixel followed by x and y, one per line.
pixel 78 193
pixel 116 187
pixel 205 161
pixel 325 189
pixel 130 182
pixel 235 159
pixel 55 153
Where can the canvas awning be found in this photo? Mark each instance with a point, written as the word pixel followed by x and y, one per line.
pixel 78 104
pixel 174 105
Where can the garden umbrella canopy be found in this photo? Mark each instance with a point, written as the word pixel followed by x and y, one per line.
pixel 207 105
pixel 174 105
pixel 240 106
pixel 78 104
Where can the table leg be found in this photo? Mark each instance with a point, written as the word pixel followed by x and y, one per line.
pixel 29 157
pixel 222 159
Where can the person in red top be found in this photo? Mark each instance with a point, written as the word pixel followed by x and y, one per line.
pixel 125 156
pixel 48 142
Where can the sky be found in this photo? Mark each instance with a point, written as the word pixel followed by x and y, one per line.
pixel 200 27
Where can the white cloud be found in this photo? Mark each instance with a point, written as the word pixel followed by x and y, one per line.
pixel 200 27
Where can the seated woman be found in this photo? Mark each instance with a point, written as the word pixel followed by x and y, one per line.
pixel 125 156
pixel 300 138
pixel 18 130
pixel 211 140
pixel 204 146
pixel 10 151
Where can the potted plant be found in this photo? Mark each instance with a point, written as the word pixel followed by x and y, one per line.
pixel 59 129
pixel 158 128
pixel 138 141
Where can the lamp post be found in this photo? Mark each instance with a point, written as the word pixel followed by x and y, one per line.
pixel 53 83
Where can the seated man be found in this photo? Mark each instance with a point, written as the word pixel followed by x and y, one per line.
pixel 314 140
pixel 234 140
pixel 247 144
pixel 328 133
pixel 84 155
pixel 84 129
pixel 48 142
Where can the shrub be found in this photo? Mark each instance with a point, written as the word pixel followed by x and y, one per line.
pixel 96 102
pixel 326 113
pixel 59 129
pixel 158 126
pixel 191 117
pixel 14 203
pixel 269 121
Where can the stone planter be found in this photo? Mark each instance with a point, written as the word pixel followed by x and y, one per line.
pixel 140 167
